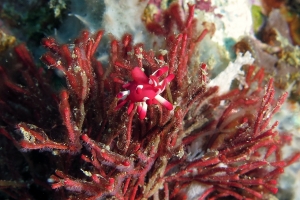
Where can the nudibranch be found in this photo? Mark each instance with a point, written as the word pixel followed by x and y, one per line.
pixel 145 91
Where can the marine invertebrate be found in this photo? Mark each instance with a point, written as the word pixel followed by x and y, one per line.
pixel 220 144
pixel 145 91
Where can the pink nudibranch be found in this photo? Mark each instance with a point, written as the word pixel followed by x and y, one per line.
pixel 145 91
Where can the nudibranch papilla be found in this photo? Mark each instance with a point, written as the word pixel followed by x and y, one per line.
pixel 145 91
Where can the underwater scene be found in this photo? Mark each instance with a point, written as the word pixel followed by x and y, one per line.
pixel 149 99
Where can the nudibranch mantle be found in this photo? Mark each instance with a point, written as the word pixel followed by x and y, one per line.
pixel 145 91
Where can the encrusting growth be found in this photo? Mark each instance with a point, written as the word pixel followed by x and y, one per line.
pixel 185 135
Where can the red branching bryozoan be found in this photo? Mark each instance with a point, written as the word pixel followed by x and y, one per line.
pixel 222 144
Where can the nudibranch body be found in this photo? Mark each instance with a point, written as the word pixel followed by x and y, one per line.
pixel 145 91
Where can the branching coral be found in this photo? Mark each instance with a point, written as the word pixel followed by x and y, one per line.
pixel 221 143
